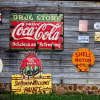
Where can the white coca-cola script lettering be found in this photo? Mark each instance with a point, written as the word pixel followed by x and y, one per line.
pixel 20 32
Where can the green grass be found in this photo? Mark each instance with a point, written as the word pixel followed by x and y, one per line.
pixel 67 96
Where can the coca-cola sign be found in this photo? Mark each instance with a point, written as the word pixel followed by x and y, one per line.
pixel 0 18
pixel 36 31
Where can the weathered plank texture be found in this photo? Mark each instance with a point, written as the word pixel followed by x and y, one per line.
pixel 59 64
pixel 28 3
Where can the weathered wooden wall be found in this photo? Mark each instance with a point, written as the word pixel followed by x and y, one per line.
pixel 59 64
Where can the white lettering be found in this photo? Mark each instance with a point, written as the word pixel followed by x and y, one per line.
pixel 41 33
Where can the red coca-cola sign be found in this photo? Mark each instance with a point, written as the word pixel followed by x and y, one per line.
pixel 31 32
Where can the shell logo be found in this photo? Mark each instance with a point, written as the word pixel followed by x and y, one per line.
pixel 83 58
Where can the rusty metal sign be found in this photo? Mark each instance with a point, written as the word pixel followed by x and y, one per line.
pixel 35 85
pixel 83 58
pixel 36 31
pixel 31 65
pixel 31 80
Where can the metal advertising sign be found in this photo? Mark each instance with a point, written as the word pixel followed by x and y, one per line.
pixel 1 65
pixel 83 58
pixel 97 26
pixel 31 65
pixel 83 25
pixel 36 31
pixel 83 39
pixel 0 18
pixel 97 37
pixel 31 80
pixel 34 85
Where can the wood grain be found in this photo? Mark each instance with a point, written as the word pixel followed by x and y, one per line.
pixel 59 64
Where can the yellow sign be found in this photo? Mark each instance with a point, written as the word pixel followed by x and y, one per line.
pixel 83 58
pixel 35 84
pixel 97 36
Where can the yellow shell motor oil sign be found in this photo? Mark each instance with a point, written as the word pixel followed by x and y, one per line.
pixel 41 83
pixel 83 58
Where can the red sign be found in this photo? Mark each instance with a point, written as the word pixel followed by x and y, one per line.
pixel 37 35
pixel 0 16
pixel 31 65
pixel 83 25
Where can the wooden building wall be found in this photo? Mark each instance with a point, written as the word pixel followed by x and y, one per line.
pixel 59 64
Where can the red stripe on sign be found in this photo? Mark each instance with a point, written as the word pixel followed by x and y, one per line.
pixel 0 16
